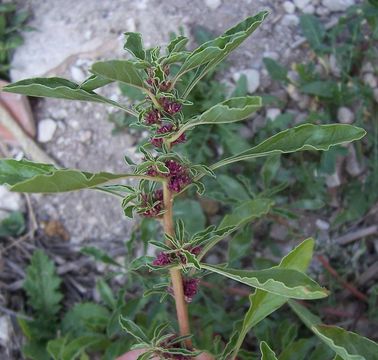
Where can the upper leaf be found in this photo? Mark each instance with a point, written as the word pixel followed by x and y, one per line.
pixel 30 177
pixel 299 138
pixel 94 82
pixel 348 345
pixel 124 71
pixel 60 88
pixel 134 45
pixel 284 282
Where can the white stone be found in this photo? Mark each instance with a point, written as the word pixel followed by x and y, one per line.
pixel 213 4
pixel 301 4
pixel 5 330
pixel 290 20
pixel 293 92
pixel 9 202
pixel 272 113
pixel 345 115
pixel 77 74
pixel 370 80
pixel 322 11
pixel 85 136
pixel 353 166
pixel 367 67
pixel 322 225
pixel 309 9
pixel 59 114
pixel 337 5
pixel 334 66
pixel 46 130
pixel 253 79
pixel 289 7
pixel 333 180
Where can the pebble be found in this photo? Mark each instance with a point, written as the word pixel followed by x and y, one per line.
pixel 9 201
pixel 46 130
pixel 367 67
pixel 289 7
pixel 337 5
pixel 370 80
pixel 85 136
pixel 272 113
pixel 322 11
pixel 309 9
pixel 213 4
pixel 333 180
pixel 77 74
pixel 301 4
pixel 5 330
pixel 334 66
pixel 293 92
pixel 353 166
pixel 345 115
pixel 290 20
pixel 60 114
pixel 293 76
pixel 253 79
pixel 322 225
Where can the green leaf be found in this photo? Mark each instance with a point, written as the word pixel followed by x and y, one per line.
pixel 31 177
pixel 313 31
pixel 263 303
pixel 214 51
pixel 228 111
pixel 133 329
pixel 120 70
pixel 55 347
pixel 77 346
pixel 299 138
pixel 42 285
pixel 55 87
pixel 276 70
pixel 190 211
pixel 177 44
pixel 134 45
pixel 99 255
pixel 94 82
pixel 324 89
pixel 106 293
pixel 285 282
pixel 266 352
pixel 348 345
pixel 13 225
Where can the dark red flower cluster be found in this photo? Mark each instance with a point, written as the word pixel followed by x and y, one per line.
pixel 162 259
pixel 196 250
pixel 169 106
pixel 164 129
pixel 157 198
pixel 178 175
pixel 190 288
pixel 152 117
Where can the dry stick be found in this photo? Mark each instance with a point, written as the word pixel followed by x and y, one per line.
pixel 358 294
pixel 361 233
pixel 176 277
pixel 27 144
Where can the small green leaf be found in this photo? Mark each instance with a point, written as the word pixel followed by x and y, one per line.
pixel 106 293
pixel 99 255
pixel 94 82
pixel 348 345
pixel 42 285
pixel 303 137
pixel 266 352
pixel 323 89
pixel 284 282
pixel 30 177
pixel 177 44
pixel 133 329
pixel 276 71
pixel 134 45
pixel 313 30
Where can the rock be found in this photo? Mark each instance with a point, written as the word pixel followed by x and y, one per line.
pixel 85 136
pixel 77 74
pixel 253 79
pixel 345 115
pixel 293 76
pixel 322 11
pixel 272 113
pixel 370 80
pixel 213 4
pixel 301 4
pixel 46 130
pixel 9 202
pixel 353 167
pixel 322 225
pixel 309 9
pixel 333 180
pixel 304 102
pixel 5 330
pixel 367 67
pixel 334 66
pixel 289 7
pixel 293 92
pixel 290 20
pixel 337 5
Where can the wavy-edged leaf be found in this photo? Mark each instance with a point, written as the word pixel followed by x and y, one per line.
pixel 266 352
pixel 263 303
pixel 94 82
pixel 60 88
pixel 285 282
pixel 133 329
pixel 134 45
pixel 31 177
pixel 214 51
pixel 124 71
pixel 346 344
pixel 299 138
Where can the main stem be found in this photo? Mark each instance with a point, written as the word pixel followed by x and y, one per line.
pixel 176 277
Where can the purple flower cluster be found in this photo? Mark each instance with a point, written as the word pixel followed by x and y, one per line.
pixel 170 106
pixel 190 288
pixel 162 259
pixel 152 117
pixel 157 198
pixel 164 129
pixel 178 175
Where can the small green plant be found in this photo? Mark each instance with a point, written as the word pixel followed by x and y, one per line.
pixel 12 23
pixel 164 175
